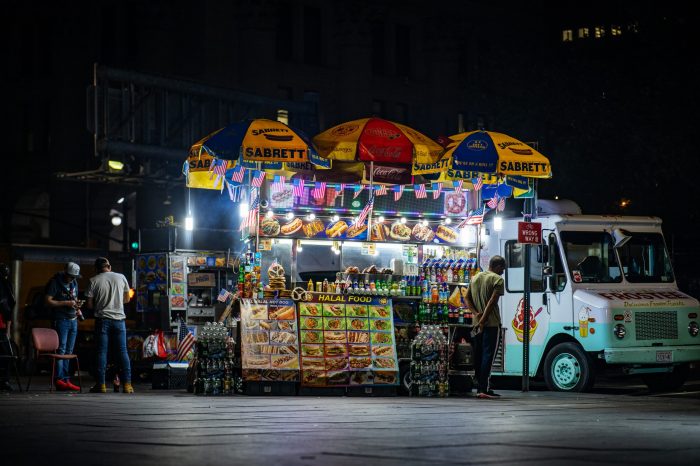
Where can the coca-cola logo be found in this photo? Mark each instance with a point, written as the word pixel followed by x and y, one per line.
pixel 388 171
pixel 388 153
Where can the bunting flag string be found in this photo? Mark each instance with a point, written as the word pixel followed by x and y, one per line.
pixel 419 190
pixel 319 190
pixel 398 192
pixel 493 202
pixel 230 190
pixel 478 183
pixel 342 187
pixel 258 178
pixel 381 190
pixel 457 185
pixel 299 185
pixel 358 189
pixel 437 190
pixel 237 175
pixel 476 217
pixel 501 204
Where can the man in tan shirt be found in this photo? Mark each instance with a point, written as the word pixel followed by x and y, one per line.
pixel 485 290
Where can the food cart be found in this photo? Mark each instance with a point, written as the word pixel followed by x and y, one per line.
pixel 362 294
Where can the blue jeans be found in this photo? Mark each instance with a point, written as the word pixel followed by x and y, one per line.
pixel 484 348
pixel 67 330
pixel 116 330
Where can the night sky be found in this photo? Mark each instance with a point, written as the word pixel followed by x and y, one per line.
pixel 616 115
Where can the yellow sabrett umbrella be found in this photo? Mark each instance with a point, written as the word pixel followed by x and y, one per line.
pixel 496 153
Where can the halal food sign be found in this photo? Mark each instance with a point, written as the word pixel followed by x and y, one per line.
pixel 529 232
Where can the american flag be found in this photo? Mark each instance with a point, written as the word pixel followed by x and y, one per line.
pixel 251 220
pixel 501 204
pixel 185 341
pixel 230 190
pixel 419 189
pixel 223 295
pixel 457 185
pixel 342 187
pixel 319 190
pixel 437 190
pixel 493 202
pixel 278 183
pixel 398 192
pixel 476 217
pixel 478 183
pixel 363 215
pixel 258 178
pixel 218 167
pixel 381 190
pixel 358 189
pixel 299 187
pixel 238 173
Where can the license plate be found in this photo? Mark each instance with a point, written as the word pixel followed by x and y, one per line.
pixel 664 356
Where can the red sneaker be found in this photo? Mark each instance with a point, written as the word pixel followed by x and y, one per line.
pixel 61 386
pixel 485 396
pixel 71 386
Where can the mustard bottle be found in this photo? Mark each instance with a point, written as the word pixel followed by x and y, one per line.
pixel 310 285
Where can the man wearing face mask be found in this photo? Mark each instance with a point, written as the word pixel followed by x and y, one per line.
pixel 7 303
pixel 62 299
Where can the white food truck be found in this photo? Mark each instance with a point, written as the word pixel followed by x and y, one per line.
pixel 603 294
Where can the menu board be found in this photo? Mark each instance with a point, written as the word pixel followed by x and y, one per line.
pixel 345 229
pixel 178 285
pixel 151 281
pixel 346 341
pixel 269 340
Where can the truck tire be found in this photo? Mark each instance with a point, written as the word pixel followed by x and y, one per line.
pixel 667 381
pixel 567 368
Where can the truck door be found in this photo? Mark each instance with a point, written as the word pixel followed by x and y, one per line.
pixel 558 300
pixel 512 308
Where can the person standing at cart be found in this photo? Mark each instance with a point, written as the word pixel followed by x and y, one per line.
pixel 62 298
pixel 7 303
pixel 107 294
pixel 482 299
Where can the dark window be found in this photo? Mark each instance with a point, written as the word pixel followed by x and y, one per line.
pixel 284 47
pixel 378 43
pixel 644 259
pixel 403 51
pixel 312 36
pixel 590 257
pixel 515 268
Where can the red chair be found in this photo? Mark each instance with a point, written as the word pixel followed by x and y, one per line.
pixel 45 345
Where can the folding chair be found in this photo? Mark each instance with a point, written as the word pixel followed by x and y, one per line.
pixel 45 345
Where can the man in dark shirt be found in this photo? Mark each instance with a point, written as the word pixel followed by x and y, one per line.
pixel 7 303
pixel 62 299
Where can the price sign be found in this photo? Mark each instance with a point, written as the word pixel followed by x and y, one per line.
pixel 369 249
pixel 529 232
pixel 265 245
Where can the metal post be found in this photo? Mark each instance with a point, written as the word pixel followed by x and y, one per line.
pixel 526 307
pixel 371 194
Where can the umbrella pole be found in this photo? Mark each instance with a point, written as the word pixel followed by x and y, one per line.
pixel 371 192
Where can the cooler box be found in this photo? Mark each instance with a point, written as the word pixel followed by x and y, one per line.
pixel 169 375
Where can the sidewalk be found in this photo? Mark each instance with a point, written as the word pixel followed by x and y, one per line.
pixel 174 427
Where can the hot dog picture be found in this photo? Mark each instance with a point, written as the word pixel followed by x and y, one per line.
pixel 333 310
pixel 447 234
pixel 286 361
pixel 309 363
pixel 292 227
pixel 283 313
pixel 356 230
pixel 385 377
pixel 336 229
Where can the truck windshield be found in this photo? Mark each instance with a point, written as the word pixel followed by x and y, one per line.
pixel 644 259
pixel 591 257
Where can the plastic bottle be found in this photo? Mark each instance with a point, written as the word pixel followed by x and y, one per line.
pixel 310 285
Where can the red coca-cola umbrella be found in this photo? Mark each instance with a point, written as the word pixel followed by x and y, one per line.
pixel 386 149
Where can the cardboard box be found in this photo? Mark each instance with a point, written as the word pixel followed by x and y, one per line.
pixel 201 279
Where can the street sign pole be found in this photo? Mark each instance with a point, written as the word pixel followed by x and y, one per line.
pixel 529 233
pixel 526 308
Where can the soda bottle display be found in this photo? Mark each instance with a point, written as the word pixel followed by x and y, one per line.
pixel 429 375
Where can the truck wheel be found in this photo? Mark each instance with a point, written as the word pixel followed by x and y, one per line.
pixel 667 381
pixel 567 368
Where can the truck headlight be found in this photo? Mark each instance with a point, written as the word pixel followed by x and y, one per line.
pixel 693 329
pixel 620 331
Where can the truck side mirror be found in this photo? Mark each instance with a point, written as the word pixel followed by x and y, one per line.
pixel 548 271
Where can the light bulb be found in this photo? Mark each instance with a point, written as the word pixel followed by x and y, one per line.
pixel 380 219
pixel 335 218
pixel 269 214
pixel 497 223
pixel 448 221
pixel 403 219
pixel 289 216
pixel 189 223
